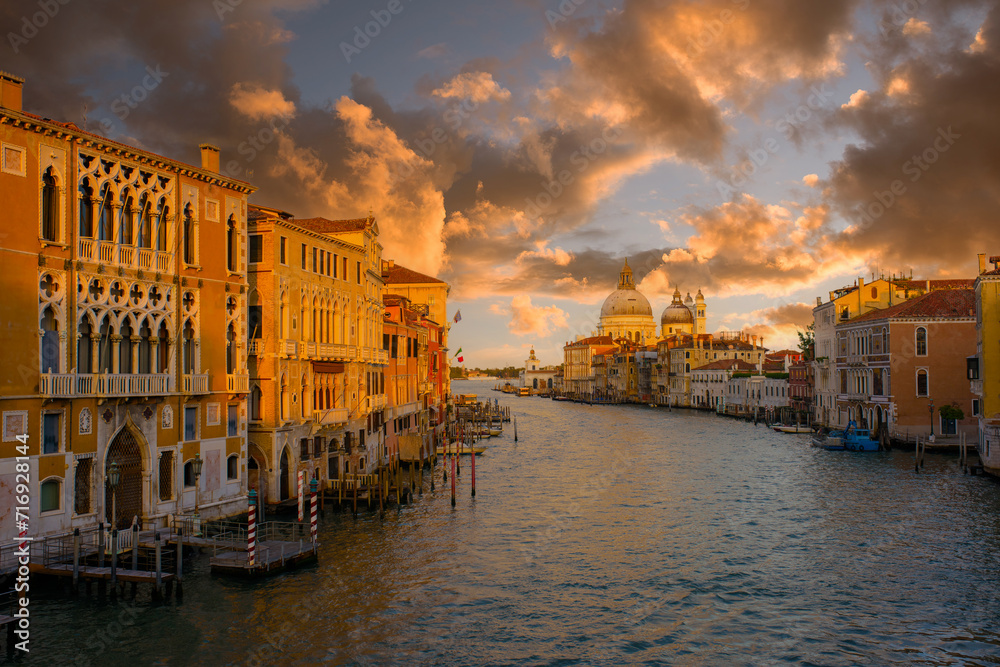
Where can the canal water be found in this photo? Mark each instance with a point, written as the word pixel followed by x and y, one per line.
pixel 607 535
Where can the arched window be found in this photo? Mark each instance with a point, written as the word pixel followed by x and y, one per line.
pixel 50 205
pixel 230 349
pixel 285 399
pixel 161 227
pixel 86 209
pixel 125 347
pixel 306 408
pixel 922 384
pixel 105 229
pixel 921 342
pixel 874 292
pixel 163 349
pixel 145 348
pixel 145 223
pixel 84 358
pixel 104 346
pixel 188 233
pixel 50 342
pixel 188 348
pixel 231 244
pixel 255 403
pixel 126 219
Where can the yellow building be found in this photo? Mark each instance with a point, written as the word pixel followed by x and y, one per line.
pixel 124 304
pixel 984 370
pixel 678 356
pixel 317 386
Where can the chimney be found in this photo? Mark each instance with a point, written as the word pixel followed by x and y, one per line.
pixel 10 91
pixel 209 157
pixel 861 283
pixel 819 301
pixel 928 285
pixel 982 262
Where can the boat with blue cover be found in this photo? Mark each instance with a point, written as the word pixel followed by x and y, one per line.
pixel 859 439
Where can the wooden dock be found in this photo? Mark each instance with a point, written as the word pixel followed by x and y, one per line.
pixel 272 556
pixel 101 573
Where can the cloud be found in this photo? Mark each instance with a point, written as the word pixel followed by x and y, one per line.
pixel 433 51
pixel 476 86
pixel 257 103
pixel 779 325
pixel 530 320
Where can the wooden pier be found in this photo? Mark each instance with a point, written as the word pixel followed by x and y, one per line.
pixel 279 546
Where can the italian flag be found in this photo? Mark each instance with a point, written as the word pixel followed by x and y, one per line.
pixel 458 355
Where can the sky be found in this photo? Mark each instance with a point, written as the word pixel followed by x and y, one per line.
pixel 763 151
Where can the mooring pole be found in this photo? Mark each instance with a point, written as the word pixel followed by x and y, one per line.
pixel 473 472
pixel 135 543
pixel 252 529
pixel 453 457
pixel 114 558
pixel 76 559
pixel 314 519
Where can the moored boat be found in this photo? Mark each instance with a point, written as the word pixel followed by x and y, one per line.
pixel 797 428
pixel 859 439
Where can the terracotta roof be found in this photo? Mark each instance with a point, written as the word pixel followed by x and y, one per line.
pixel 324 226
pixel 726 365
pixel 593 340
pixel 400 275
pixel 774 367
pixel 942 304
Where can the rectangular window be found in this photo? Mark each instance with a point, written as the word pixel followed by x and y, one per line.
pixel 385 341
pixel 334 266
pixel 359 272
pixel 232 468
pixel 281 249
pixel 51 428
pixel 190 423
pixel 256 248
pixel 975 407
pixel 317 447
pixel 304 252
pixel 255 321
pixel 315 259
pixel 972 368
pixel 81 490
pixel 395 347
pixel 232 421
pixel 303 449
pixel 166 475
pixel 50 494
pixel 921 383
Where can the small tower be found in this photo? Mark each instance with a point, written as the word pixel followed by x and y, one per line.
pixel 699 315
pixel 531 364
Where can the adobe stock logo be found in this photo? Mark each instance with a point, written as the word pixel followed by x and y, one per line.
pixel 30 25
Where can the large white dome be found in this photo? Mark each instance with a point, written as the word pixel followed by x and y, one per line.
pixel 626 302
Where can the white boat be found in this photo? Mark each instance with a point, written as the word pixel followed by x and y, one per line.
pixel 465 450
pixel 798 428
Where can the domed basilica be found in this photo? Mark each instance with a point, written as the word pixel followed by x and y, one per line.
pixel 626 313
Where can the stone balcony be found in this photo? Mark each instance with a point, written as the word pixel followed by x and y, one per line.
pixel 194 384
pixel 126 256
pixel 255 347
pixel 331 416
pixel 238 383
pixel 66 385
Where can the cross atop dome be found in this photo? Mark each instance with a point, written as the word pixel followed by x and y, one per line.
pixel 625 280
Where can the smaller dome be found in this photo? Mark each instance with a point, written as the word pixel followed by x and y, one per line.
pixel 688 300
pixel 677 312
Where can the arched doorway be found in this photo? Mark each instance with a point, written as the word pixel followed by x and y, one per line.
pixel 125 450
pixel 283 473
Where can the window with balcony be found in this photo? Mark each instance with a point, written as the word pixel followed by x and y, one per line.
pixel 256 253
pixel 189 243
pixel 125 347
pixel 145 223
pixel 231 349
pixel 86 209
pixel 50 495
pixel 105 225
pixel 161 226
pixel 50 206
pixel 50 342
pixel 188 348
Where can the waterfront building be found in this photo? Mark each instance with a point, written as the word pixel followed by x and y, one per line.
pixel 424 290
pixel 317 385
pixel 896 367
pixel 626 313
pixel 646 359
pixel 800 390
pixel 764 389
pixel 846 303
pixel 709 383
pixel 124 313
pixel 984 370
pixel 623 372
pixel 579 380
pixel 538 378
pixel 678 354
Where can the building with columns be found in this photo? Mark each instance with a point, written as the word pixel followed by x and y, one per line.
pixel 626 313
pixel 123 321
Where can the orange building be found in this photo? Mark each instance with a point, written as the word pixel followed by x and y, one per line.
pixel 898 366
pixel 317 394
pixel 124 304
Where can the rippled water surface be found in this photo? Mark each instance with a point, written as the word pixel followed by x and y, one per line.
pixel 606 535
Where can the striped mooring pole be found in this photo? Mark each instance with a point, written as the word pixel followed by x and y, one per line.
pixel 314 520
pixel 252 529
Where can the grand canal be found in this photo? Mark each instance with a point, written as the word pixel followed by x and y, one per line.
pixel 606 535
